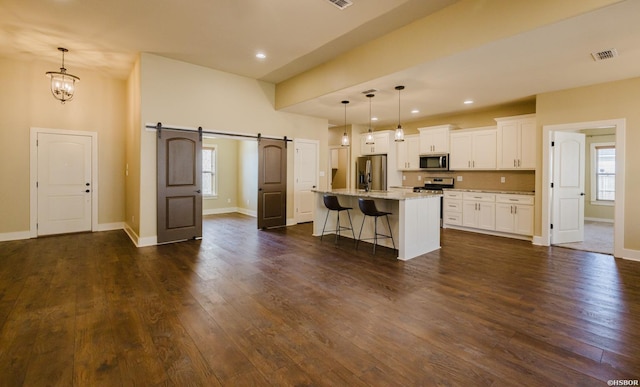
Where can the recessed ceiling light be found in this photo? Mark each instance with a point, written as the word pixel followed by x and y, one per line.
pixel 374 118
pixel 468 102
pixel 415 111
pixel 261 55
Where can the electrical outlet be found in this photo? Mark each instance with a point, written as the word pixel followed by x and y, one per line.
pixel 404 177
pixel 502 179
pixel 228 200
pixel 419 177
pixel 458 178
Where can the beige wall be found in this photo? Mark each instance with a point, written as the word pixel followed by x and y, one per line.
pixel 469 118
pixel 454 29
pixel 99 106
pixel 181 94
pixel 132 152
pixel 594 103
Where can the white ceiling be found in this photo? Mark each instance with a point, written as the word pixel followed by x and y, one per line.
pixel 298 35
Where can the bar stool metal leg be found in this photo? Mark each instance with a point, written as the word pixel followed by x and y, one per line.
pixel 368 208
pixel 332 204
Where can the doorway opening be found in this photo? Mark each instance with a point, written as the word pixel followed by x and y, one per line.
pixel 553 207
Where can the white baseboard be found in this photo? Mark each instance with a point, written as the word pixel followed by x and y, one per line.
pixel 538 241
pixel 633 255
pixel 600 220
pixel 14 236
pixel 291 222
pixel 245 211
pixel 215 211
pixel 140 242
pixel 132 234
pixel 110 226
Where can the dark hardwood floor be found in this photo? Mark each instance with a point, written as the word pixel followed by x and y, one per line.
pixel 279 307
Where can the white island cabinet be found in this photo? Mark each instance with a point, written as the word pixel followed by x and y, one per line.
pixel 414 219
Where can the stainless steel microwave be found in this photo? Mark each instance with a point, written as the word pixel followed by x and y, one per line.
pixel 439 162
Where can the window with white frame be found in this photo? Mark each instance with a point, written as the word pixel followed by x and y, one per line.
pixel 603 173
pixel 209 171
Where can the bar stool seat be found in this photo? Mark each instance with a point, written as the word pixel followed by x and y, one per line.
pixel 368 208
pixel 332 204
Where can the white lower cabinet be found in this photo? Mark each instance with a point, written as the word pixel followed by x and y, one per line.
pixel 452 208
pixel 514 214
pixel 479 210
pixel 499 214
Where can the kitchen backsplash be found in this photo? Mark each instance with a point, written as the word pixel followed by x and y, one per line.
pixel 513 180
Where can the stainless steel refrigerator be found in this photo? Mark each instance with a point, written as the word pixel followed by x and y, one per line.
pixel 373 169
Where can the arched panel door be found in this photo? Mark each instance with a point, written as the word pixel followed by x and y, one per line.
pixel 272 183
pixel 179 161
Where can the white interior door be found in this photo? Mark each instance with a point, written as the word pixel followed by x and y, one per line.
pixel 306 178
pixel 567 206
pixel 64 183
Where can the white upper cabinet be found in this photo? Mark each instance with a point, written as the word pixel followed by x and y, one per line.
pixel 517 142
pixel 473 149
pixel 434 139
pixel 380 146
pixel 408 156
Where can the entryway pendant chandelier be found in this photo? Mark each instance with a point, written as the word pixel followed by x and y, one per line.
pixel 63 84
pixel 369 140
pixel 345 137
pixel 399 135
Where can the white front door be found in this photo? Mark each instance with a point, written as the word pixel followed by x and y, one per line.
pixel 64 183
pixel 567 206
pixel 306 178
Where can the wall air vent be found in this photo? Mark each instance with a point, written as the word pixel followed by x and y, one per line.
pixel 606 54
pixel 342 4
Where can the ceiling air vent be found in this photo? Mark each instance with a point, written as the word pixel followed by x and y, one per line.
pixel 342 4
pixel 369 91
pixel 606 54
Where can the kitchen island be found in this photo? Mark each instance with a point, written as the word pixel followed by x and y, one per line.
pixel 414 219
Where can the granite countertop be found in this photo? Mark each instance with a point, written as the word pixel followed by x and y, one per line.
pixel 492 191
pixel 389 195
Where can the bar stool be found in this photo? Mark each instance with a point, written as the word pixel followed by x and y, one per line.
pixel 368 208
pixel 332 204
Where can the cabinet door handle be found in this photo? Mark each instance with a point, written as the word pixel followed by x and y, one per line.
pixel 514 163
pixel 515 209
pixel 519 161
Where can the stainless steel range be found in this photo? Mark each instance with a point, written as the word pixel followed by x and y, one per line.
pixel 435 185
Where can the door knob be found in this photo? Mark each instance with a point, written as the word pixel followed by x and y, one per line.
pixel 581 193
pixel 87 191
pixel 197 191
pixel 87 184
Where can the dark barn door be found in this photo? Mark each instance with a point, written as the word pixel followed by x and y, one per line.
pixel 272 183
pixel 179 161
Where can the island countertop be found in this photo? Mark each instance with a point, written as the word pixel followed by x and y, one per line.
pixel 374 194
pixel 413 220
